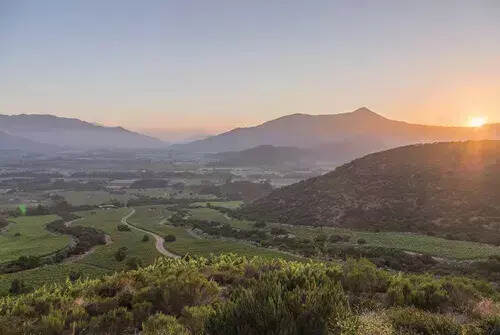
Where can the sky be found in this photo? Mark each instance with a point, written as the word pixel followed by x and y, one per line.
pixel 210 66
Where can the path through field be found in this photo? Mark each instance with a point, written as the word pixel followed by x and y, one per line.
pixel 159 240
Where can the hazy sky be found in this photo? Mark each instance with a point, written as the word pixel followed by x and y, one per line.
pixel 219 64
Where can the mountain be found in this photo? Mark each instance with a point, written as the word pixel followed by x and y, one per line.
pixel 73 133
pixel 9 143
pixel 362 128
pixel 264 155
pixel 451 189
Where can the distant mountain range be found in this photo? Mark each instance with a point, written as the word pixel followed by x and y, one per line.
pixel 339 137
pixel 10 142
pixel 49 132
pixel 264 155
pixel 448 189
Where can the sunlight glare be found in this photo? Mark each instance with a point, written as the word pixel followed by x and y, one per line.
pixel 477 121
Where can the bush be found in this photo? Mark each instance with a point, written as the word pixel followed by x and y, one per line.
pixel 145 238
pixel 123 227
pixel 170 238
pixel 74 275
pixel 273 307
pixel 121 254
pixel 260 224
pixel 361 241
pixel 415 321
pixel 17 286
pixel 362 276
pixel 133 263
pixel 161 324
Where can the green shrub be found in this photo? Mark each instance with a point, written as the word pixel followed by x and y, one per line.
pixel 362 276
pixel 170 238
pixel 161 324
pixel 121 254
pixel 123 227
pixel 194 318
pixel 133 263
pixel 414 321
pixel 145 238
pixel 272 307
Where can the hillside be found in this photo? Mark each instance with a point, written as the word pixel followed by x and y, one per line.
pixel 237 296
pixel 10 142
pixel 362 127
pixel 450 189
pixel 73 133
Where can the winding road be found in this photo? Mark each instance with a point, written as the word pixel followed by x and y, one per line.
pixel 159 240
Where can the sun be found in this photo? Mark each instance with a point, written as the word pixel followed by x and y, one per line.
pixel 477 121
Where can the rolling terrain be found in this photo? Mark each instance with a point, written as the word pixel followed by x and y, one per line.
pixel 449 189
pixel 72 133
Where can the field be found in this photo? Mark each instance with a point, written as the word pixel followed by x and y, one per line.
pixel 107 221
pixel 210 214
pixel 32 238
pixel 423 244
pixel 224 204
pixel 79 198
pixel 186 243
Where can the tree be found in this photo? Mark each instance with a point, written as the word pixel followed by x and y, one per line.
pixel 17 286
pixel 170 238
pixel 145 238
pixel 121 254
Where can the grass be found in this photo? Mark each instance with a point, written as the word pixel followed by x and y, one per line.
pixel 429 245
pixel 209 214
pixel 224 204
pixel 34 239
pixel 185 243
pixel 49 274
pixel 101 261
pixel 107 221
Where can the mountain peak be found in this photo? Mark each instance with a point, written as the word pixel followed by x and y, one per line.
pixel 363 111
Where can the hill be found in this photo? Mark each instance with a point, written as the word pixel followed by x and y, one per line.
pixel 73 133
pixel 450 189
pixel 233 295
pixel 10 142
pixel 362 127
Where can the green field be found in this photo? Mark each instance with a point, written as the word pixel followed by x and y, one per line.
pixel 34 239
pixel 101 261
pixel 188 244
pixel 423 244
pixel 224 204
pixel 107 221
pixel 209 214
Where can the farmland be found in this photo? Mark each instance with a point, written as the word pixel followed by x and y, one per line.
pixel 27 236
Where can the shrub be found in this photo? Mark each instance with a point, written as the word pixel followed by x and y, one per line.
pixel 123 227
pixel 260 224
pixel 361 241
pixel 116 321
pixel 415 321
pixel 362 276
pixel 170 238
pixel 133 263
pixel 121 254
pixel 145 238
pixel 161 324
pixel 17 286
pixel 273 307
pixel 74 275
pixel 195 318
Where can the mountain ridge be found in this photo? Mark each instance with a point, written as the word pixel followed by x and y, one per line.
pixel 306 131
pixel 73 132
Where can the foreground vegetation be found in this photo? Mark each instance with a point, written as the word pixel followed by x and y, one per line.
pixel 236 295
